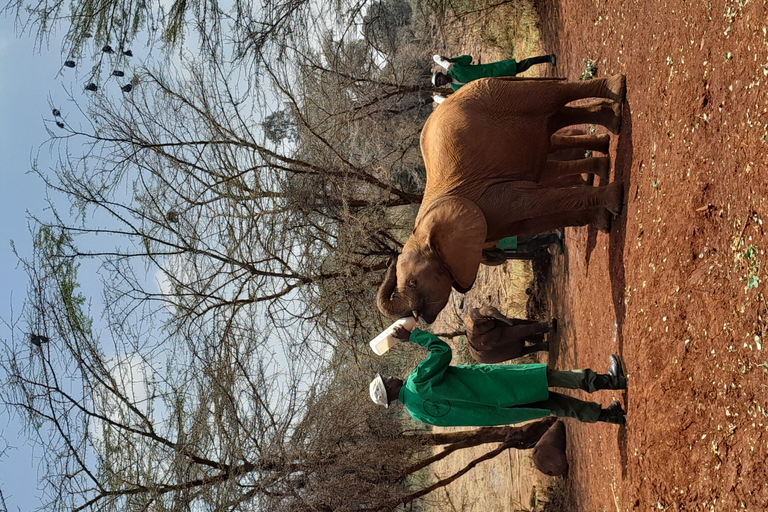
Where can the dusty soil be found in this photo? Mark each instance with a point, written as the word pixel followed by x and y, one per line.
pixel 667 289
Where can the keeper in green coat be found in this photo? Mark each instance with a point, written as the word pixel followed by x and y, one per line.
pixel 461 71
pixel 486 395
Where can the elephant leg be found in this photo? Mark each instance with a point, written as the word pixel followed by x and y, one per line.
pixel 529 98
pixel 522 321
pixel 529 331
pixel 540 242
pixel 518 208
pixel 537 347
pixel 586 142
pixel 555 170
pixel 493 257
pixel 575 180
pixel 598 216
pixel 497 354
pixel 502 349
pixel 612 88
pixel 490 312
pixel 606 114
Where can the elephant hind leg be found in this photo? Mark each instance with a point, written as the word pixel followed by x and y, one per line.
pixel 485 351
pixel 606 114
pixel 613 88
pixel 617 84
pixel 603 220
pixel 570 181
pixel 615 196
pixel 536 347
pixel 555 170
pixel 587 142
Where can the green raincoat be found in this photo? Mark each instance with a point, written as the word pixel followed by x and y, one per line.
pixel 463 71
pixel 473 396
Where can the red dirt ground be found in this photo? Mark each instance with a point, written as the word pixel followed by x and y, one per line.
pixel 666 289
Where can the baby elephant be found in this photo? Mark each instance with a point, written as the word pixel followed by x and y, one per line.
pixel 493 338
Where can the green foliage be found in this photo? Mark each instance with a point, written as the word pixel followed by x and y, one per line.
pixel 590 69
pixel 59 270
pixel 753 267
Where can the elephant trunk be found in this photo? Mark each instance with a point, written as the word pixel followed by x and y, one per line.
pixel 392 303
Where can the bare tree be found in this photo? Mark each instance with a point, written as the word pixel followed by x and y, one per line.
pixel 204 419
pixel 239 267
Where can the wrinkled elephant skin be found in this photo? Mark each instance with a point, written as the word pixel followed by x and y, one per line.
pixel 485 151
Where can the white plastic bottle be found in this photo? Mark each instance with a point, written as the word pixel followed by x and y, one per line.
pixel 386 340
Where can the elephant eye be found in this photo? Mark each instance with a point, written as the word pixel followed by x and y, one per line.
pixel 412 283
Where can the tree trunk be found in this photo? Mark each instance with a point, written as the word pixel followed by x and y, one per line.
pixel 521 438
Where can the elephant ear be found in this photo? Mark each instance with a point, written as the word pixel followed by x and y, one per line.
pixel 455 228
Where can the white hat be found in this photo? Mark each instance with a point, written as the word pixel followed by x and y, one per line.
pixel 434 77
pixel 378 391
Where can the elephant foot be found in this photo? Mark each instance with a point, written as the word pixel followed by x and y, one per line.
pixel 603 221
pixel 603 142
pixel 603 168
pixel 615 125
pixel 617 85
pixel 615 197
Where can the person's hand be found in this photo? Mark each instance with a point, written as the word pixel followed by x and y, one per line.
pixel 401 333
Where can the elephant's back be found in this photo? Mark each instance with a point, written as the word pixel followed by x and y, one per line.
pixel 480 120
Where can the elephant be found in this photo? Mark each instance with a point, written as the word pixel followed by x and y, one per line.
pixel 549 454
pixel 488 177
pixel 493 337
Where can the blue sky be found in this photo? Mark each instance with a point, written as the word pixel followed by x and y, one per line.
pixel 27 80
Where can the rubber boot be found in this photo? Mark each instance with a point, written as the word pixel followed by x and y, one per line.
pixel 614 378
pixel 524 64
pixel 613 414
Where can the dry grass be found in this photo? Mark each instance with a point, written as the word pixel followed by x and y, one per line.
pixel 508 30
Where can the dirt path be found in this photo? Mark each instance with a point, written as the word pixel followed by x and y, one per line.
pixel 667 288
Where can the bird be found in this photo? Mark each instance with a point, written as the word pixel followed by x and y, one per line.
pixel 91 87
pixel 127 88
pixel 128 53
pixel 59 124
pixel 172 216
pixel 56 112
pixel 69 63
pixel 38 339
pixel 107 49
pixel 118 73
